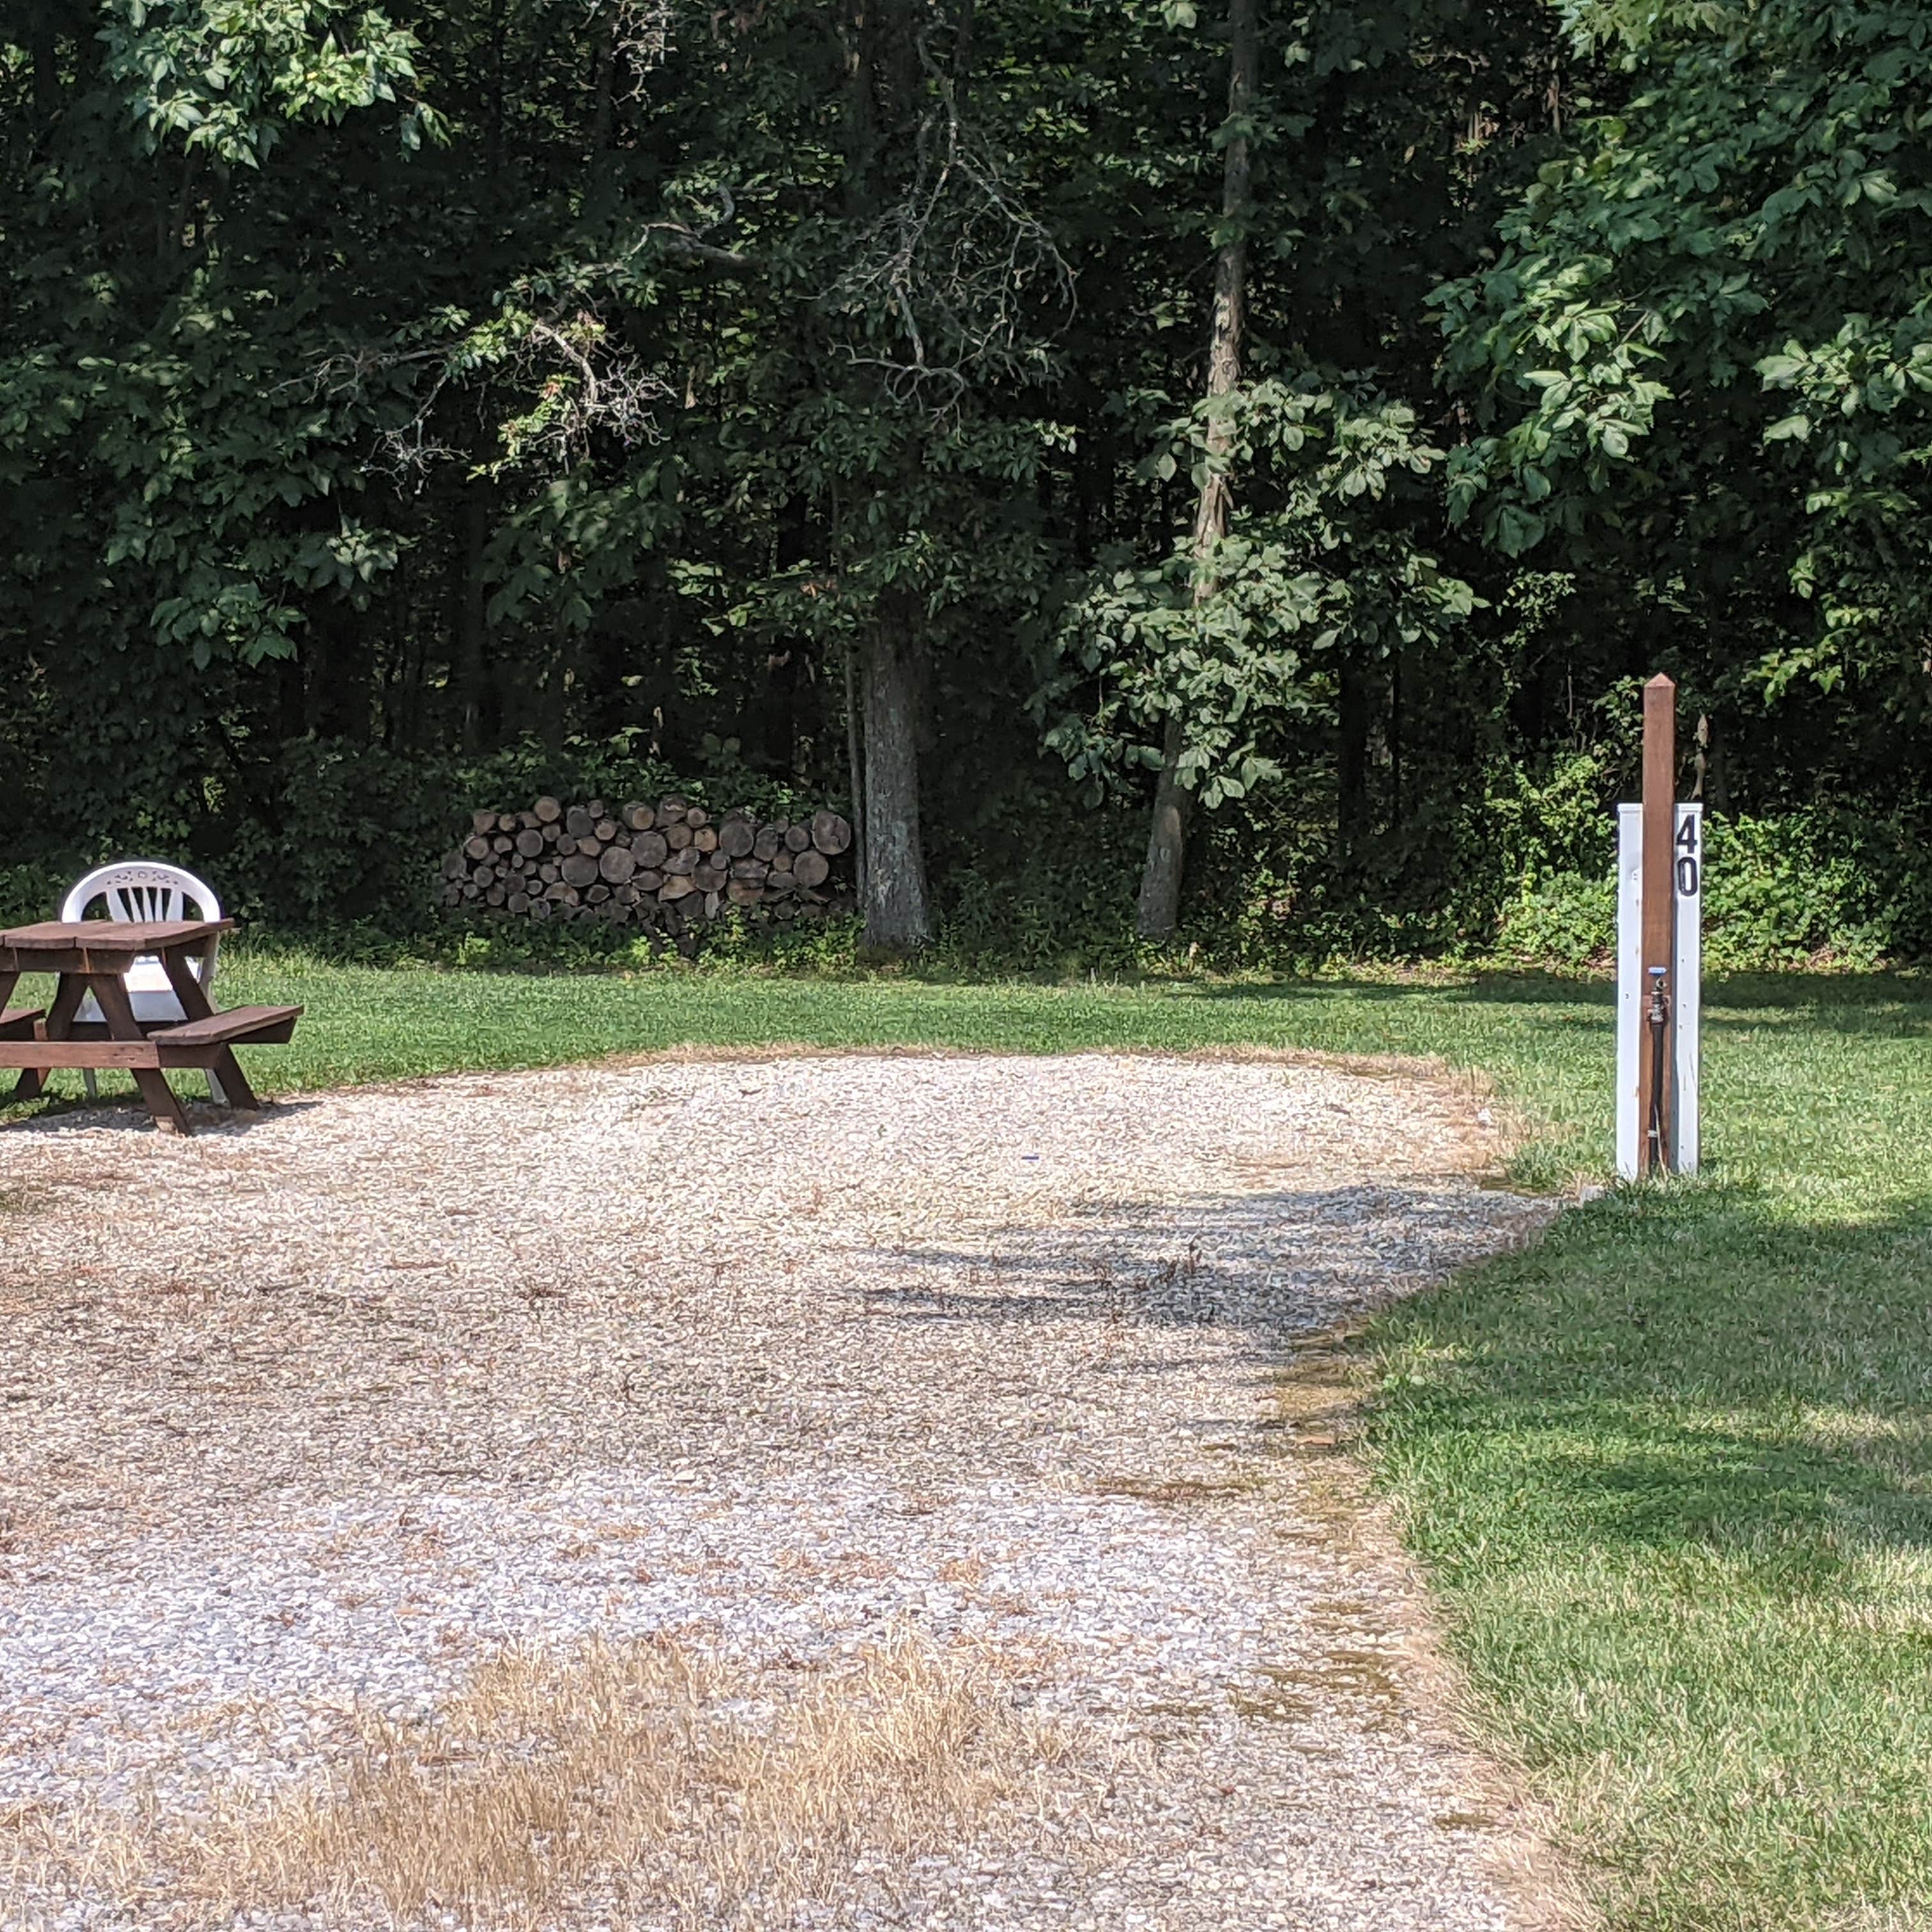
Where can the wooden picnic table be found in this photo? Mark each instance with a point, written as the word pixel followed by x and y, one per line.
pixel 94 956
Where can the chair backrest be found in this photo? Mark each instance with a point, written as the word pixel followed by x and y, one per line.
pixel 142 890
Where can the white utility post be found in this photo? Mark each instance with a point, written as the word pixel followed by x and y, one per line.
pixel 1633 1041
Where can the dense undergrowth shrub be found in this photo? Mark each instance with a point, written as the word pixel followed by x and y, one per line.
pixel 337 846
pixel 1523 870
pixel 29 892
pixel 339 842
pixel 1814 885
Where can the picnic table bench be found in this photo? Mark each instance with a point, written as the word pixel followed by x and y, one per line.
pixel 94 956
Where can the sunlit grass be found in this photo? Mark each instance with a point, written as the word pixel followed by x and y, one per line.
pixel 1546 1041
pixel 1672 1472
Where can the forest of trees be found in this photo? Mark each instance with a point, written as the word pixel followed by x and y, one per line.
pixel 1210 466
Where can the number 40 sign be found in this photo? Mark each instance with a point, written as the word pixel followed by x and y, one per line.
pixel 1633 1037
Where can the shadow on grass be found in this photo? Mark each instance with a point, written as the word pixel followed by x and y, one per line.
pixel 1893 1003
pixel 1530 989
pixel 1685 1371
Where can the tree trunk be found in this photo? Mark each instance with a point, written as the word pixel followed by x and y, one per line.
pixel 472 676
pixel 773 736
pixel 1352 775
pixel 1167 843
pixel 855 766
pixel 292 695
pixel 603 79
pixel 881 131
pixel 45 54
pixel 894 899
pixel 1162 877
pixel 1714 773
pixel 1396 812
pixel 341 689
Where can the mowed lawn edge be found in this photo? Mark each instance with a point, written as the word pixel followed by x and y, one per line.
pixel 1668 1470
pixel 365 1024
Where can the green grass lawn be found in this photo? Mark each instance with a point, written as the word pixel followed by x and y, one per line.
pixel 1669 1470
pixel 365 1023
pixel 1672 1472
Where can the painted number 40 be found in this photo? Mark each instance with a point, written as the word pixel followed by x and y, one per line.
pixel 1687 869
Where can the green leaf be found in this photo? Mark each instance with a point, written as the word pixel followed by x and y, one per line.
pixel 1516 530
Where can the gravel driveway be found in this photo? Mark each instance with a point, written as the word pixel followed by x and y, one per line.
pixel 303 1419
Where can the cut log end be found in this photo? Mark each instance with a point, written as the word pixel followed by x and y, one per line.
pixel 670 869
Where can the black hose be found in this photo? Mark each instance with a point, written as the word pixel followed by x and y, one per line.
pixel 1659 1016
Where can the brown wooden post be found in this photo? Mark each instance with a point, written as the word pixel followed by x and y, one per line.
pixel 1656 1124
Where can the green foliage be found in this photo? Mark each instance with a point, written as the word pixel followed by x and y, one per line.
pixel 1561 919
pixel 1819 887
pixel 1705 347
pixel 228 77
pixel 28 892
pixel 403 405
pixel 1236 647
pixel 1825 886
pixel 1061 907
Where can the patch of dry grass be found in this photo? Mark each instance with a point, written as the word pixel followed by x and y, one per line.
pixel 644 1777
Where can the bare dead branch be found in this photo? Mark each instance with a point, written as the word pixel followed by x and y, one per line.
pixel 575 383
pixel 640 33
pixel 958 265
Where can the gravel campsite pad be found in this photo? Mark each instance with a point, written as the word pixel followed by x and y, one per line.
pixel 1013 1368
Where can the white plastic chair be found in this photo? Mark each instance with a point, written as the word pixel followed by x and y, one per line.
pixel 147 889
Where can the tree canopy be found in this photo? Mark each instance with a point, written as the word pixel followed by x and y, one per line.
pixel 1704 350
pixel 824 394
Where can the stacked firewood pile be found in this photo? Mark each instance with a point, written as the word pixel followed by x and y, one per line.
pixel 670 867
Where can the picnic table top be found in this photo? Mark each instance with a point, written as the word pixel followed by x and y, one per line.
pixel 96 954
pixel 109 935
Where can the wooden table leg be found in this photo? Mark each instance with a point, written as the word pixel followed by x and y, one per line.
pixel 8 981
pixel 194 1005
pixel 176 962
pixel 73 989
pixel 111 990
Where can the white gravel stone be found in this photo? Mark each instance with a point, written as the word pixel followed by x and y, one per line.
pixel 311 1412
